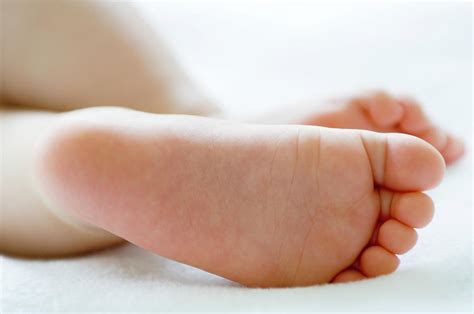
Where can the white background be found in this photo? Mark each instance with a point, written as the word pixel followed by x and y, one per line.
pixel 252 58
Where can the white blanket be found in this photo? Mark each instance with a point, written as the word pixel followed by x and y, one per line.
pixel 251 58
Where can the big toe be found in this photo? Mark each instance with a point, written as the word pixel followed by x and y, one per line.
pixel 403 162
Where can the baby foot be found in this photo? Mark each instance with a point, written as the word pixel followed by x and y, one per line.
pixel 263 205
pixel 382 112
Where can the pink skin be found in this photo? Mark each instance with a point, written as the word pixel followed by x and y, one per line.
pixel 92 177
pixel 261 205
pixel 382 112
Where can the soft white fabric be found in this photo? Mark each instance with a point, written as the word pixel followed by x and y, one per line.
pixel 253 57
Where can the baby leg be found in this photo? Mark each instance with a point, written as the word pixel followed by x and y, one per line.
pixel 28 225
pixel 63 55
pixel 66 55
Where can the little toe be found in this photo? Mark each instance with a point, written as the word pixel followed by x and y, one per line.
pixel 349 275
pixel 385 110
pixel 377 261
pixel 412 209
pixel 453 150
pixel 396 237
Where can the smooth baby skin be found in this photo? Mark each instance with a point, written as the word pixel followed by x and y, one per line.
pixel 132 68
pixel 382 112
pixel 261 205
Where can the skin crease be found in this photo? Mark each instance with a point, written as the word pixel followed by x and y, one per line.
pixel 35 100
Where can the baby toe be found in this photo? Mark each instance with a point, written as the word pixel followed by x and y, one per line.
pixel 396 237
pixel 377 261
pixel 409 164
pixel 435 136
pixel 414 119
pixel 413 209
pixel 415 122
pixel 349 275
pixel 384 109
pixel 453 150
